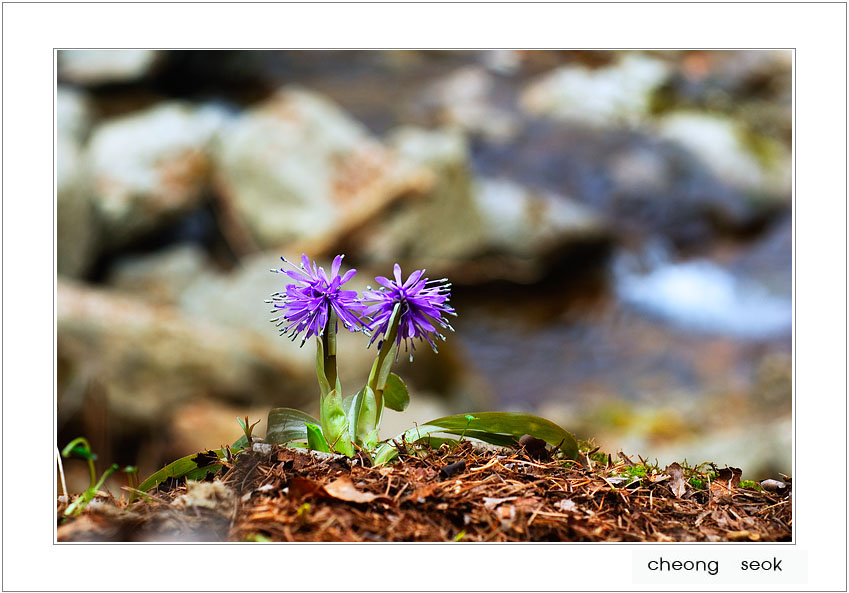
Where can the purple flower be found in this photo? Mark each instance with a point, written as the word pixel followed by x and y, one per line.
pixel 423 304
pixel 307 303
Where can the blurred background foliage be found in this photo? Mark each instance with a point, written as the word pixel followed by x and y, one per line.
pixel 617 226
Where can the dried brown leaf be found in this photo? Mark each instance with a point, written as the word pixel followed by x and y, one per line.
pixel 301 487
pixel 678 485
pixel 490 502
pixel 343 489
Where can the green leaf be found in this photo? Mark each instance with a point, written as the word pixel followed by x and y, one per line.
pixel 334 424
pixel 513 424
pixel 287 424
pixel 395 394
pixel 315 439
pixel 186 467
pixel 363 417
pixel 497 428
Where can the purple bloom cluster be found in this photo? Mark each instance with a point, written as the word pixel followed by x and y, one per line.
pixel 307 303
pixel 423 304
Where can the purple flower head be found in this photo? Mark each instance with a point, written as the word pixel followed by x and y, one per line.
pixel 423 304
pixel 307 303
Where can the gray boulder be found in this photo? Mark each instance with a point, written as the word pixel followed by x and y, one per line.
pixel 471 229
pixel 297 169
pixel 757 166
pixel 101 66
pixel 77 228
pixel 614 95
pixel 150 167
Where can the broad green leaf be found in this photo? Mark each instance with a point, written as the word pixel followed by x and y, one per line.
pixel 513 424
pixel 287 424
pixel 369 420
pixel 350 405
pixel 185 467
pixel 334 424
pixel 395 394
pixel 315 439
pixel 497 428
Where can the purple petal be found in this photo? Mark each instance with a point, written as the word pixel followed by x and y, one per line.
pixel 347 276
pixel 413 278
pixel 337 263
pixel 384 281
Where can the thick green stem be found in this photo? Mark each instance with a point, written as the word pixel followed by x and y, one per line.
pixel 329 344
pixel 385 358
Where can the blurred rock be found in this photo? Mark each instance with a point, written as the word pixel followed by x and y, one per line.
pixel 464 99
pixel 473 230
pixel 162 277
pixel 148 360
pixel 150 167
pixel 77 230
pixel 642 185
pixel 73 113
pixel 755 165
pixel 609 96
pixel 530 224
pixel 298 169
pixel 441 224
pixel 102 66
pixel 237 300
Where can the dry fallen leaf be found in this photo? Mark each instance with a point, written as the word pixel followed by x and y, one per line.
pixel 343 489
pixel 727 478
pixel 678 485
pixel 491 502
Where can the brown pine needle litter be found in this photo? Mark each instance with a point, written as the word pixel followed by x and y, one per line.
pixel 467 493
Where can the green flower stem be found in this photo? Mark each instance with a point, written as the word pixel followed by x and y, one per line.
pixel 385 358
pixel 329 343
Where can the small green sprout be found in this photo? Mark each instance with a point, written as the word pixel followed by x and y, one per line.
pixel 469 419
pixel 80 448
pixel 132 474
pixel 247 428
